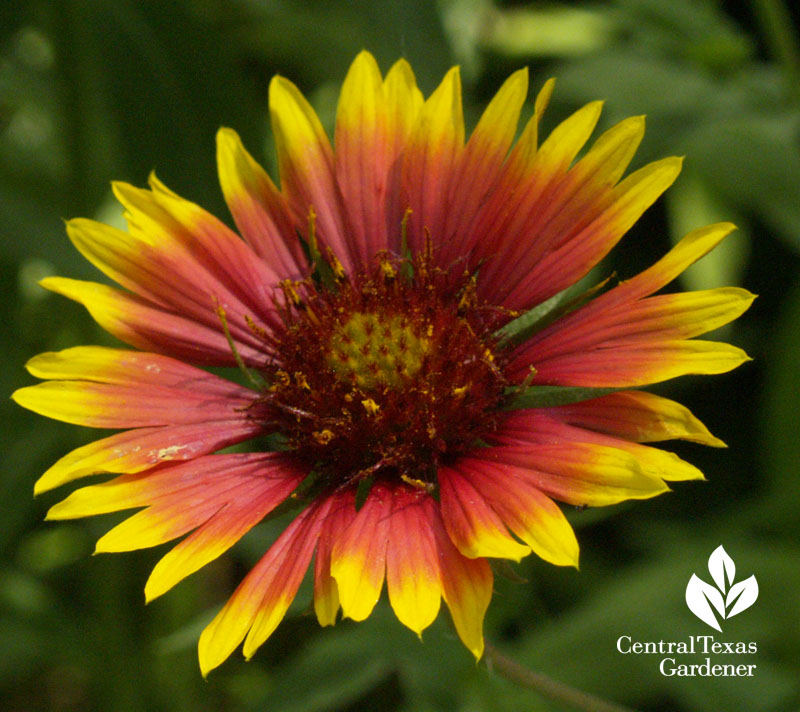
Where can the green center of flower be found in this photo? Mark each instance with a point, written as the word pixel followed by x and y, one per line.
pixel 374 349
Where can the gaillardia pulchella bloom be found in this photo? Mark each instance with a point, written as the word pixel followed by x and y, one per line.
pixel 394 307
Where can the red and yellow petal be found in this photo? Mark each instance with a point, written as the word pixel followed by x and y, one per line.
pixel 466 589
pixel 583 193
pixel 553 203
pixel 586 246
pixel 515 174
pixel 220 251
pixel 149 327
pixel 637 416
pixel 481 163
pixel 644 323
pixel 640 364
pixel 245 508
pixel 358 558
pixel 179 257
pixel 157 524
pixel 403 101
pixel 412 560
pixel 362 160
pixel 307 168
pixel 98 405
pixel 258 208
pixel 624 339
pixel 260 602
pixel 609 157
pixel 140 449
pixel 211 481
pixel 128 390
pixel 472 524
pixel 519 164
pixel 540 426
pixel 101 364
pixel 326 593
pixel 523 154
pixel 665 317
pixel 565 141
pixel 691 248
pixel 430 159
pixel 525 509
pixel 576 473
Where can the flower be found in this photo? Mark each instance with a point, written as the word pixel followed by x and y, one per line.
pixel 395 308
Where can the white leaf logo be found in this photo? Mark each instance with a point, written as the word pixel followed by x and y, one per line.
pixel 721 568
pixel 727 598
pixel 698 596
pixel 742 595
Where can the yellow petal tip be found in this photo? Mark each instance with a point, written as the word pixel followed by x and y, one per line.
pixel 227 135
pixel 49 283
pixel 151 594
pixel 16 395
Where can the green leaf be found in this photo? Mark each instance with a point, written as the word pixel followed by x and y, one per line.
pixel 362 491
pixel 723 151
pixel 523 326
pixel 544 314
pixel 552 396
pixel 325 676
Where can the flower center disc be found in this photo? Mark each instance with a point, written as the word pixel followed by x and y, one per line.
pixel 384 374
pixel 373 349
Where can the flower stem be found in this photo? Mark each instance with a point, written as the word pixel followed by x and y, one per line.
pixel 545 686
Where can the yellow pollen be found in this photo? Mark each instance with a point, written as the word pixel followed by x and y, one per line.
pixel 461 391
pixel 419 484
pixel 312 229
pixel 255 328
pixel 388 270
pixel 468 298
pixel 371 350
pixel 370 406
pixel 336 266
pixel 323 437
pixel 291 292
pixel 301 380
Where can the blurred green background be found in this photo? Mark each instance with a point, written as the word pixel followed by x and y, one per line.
pixel 95 91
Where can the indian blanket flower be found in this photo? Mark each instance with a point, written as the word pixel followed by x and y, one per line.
pixel 414 386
